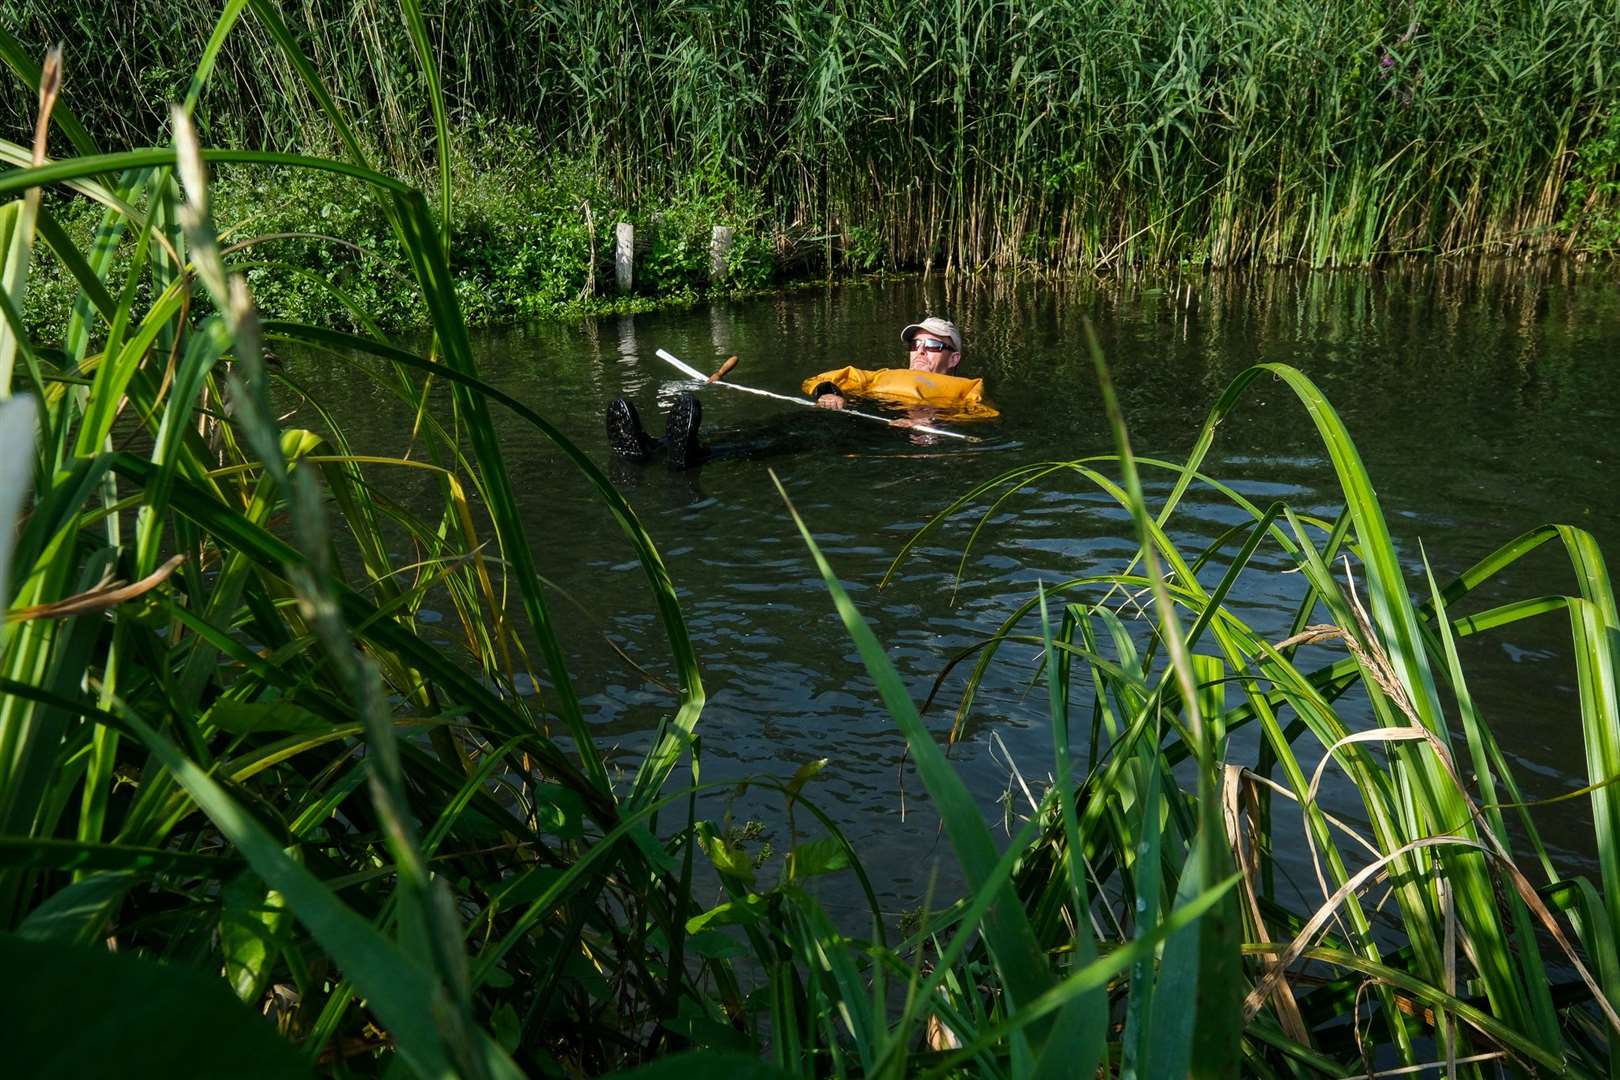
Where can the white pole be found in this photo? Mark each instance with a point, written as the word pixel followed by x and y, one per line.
pixel 719 250
pixel 693 373
pixel 624 255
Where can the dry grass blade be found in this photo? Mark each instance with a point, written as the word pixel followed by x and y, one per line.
pixel 104 596
pixel 1374 660
pixel 1312 635
pixel 1325 913
pixel 1237 834
pixel 1490 846
pixel 50 85
pixel 1451 1062
pixel 1254 778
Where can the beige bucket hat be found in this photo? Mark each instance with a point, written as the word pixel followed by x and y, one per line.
pixel 940 328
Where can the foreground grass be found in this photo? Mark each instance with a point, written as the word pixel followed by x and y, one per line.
pixel 250 776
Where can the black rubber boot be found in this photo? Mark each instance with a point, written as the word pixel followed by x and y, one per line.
pixel 681 437
pixel 625 434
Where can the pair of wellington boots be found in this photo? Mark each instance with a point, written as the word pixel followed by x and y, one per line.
pixel 680 445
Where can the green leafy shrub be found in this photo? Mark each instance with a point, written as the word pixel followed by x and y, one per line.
pixel 526 247
pixel 1592 214
pixel 751 262
pixel 311 232
pixel 863 250
pixel 677 261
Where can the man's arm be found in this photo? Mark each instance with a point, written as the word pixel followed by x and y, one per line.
pixel 827 395
pixel 830 388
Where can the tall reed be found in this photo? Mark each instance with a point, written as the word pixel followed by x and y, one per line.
pixel 985 132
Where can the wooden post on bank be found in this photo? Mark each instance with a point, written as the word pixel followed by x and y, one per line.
pixel 624 255
pixel 719 248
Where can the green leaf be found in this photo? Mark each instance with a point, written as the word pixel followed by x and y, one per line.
pixel 251 921
pixel 1019 958
pixel 821 856
pixel 704 1030
pixel 57 172
pixel 1170 1035
pixel 559 810
pixel 404 996
pixel 728 858
pixel 82 1011
pixel 17 241
pixel 654 852
pixel 251 717
pixel 60 854
pixel 750 909
pixel 529 885
pixel 803 775
pixel 1090 977
pixel 78 912
pixel 655 768
pixel 713 945
pixel 506 1027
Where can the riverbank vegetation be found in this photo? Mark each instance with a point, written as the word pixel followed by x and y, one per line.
pixel 248 796
pixel 884 135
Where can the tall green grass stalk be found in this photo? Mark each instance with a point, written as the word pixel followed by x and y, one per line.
pixel 1507 956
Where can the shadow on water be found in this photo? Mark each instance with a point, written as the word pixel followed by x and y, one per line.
pixel 1483 400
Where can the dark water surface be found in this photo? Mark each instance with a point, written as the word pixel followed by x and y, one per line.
pixel 1483 400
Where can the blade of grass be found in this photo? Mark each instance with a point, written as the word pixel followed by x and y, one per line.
pixel 1018 956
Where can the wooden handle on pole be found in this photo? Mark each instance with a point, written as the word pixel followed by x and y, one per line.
pixel 731 362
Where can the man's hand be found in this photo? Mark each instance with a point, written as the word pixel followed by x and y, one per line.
pixel 826 395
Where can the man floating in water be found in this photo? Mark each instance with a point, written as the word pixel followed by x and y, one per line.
pixel 934 347
pixel 926 386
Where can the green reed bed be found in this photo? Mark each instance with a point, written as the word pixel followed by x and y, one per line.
pixel 903 133
pixel 253 820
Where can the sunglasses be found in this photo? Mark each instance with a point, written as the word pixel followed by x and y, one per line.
pixel 929 344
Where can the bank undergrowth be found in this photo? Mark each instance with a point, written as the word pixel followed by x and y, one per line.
pixel 530 245
pixel 242 784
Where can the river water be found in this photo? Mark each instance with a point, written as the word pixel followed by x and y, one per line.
pixel 1483 401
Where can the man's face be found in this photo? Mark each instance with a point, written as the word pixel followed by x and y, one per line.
pixel 931 353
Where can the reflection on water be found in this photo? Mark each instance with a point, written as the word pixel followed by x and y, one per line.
pixel 1483 401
